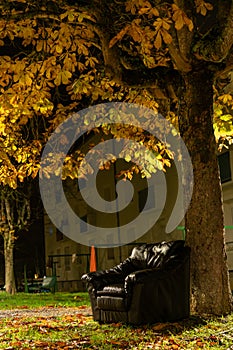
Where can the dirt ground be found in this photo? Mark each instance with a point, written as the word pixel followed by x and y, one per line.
pixel 45 312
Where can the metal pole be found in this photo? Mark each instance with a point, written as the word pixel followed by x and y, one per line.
pixel 25 279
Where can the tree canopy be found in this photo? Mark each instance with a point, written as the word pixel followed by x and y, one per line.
pixel 60 56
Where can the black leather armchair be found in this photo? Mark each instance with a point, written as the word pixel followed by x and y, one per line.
pixel 150 286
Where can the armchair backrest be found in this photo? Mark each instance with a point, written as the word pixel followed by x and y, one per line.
pixel 146 256
pixel 155 255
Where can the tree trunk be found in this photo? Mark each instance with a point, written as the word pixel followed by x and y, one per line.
pixel 210 289
pixel 9 262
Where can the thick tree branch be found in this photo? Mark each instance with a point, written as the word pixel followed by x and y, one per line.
pixel 159 78
pixel 227 67
pixel 182 64
pixel 184 35
pixel 212 49
pixel 139 76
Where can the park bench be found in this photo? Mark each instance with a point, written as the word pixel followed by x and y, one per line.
pixel 49 284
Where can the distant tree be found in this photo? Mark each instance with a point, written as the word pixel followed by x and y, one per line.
pixel 15 216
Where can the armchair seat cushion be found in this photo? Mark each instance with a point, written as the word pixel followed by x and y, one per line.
pixel 117 290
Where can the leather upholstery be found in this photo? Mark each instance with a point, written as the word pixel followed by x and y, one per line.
pixel 152 285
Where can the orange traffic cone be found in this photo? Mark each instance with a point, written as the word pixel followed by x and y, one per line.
pixel 93 260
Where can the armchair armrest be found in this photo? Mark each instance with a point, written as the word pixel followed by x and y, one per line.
pixel 116 275
pixel 141 276
pixel 99 279
pixel 147 277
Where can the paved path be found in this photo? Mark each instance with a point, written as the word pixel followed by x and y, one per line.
pixel 45 312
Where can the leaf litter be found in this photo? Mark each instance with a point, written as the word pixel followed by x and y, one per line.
pixel 74 328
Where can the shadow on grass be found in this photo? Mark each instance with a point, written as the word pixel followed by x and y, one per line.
pixel 178 327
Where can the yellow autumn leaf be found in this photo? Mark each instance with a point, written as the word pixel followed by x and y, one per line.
pixel 177 17
pixel 71 16
pixel 12 182
pixel 20 177
pixel 57 80
pixel 135 31
pixel 164 23
pixel 180 18
pixel 158 41
pixel 167 38
pixel 145 9
pixel 130 6
pixel 189 23
pixel 28 80
pixel 59 48
pixel 202 7
pixel 39 45
pixel 162 35
pixel 154 12
pixel 81 66
pixel 64 15
pixel 226 98
pixel 66 75
pixel 91 61
pixel 119 36
pixel 19 66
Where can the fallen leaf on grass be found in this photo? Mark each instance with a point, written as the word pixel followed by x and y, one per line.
pixel 82 307
pixel 167 326
pixel 39 344
pixel 58 345
pixel 174 345
pixel 2 334
pixel 15 344
pixel 43 330
pixel 160 326
pixel 122 344
pixel 117 324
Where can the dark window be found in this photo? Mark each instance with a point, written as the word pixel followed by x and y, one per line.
pixel 224 166
pixel 67 258
pixel 111 254
pixel 59 235
pixel 143 202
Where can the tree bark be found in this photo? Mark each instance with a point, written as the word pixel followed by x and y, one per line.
pixel 9 262
pixel 8 234
pixel 210 289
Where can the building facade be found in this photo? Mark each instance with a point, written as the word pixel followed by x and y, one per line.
pixel 68 259
pixel 226 173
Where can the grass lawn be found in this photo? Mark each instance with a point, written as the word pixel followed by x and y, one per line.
pixel 77 331
pixel 34 300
